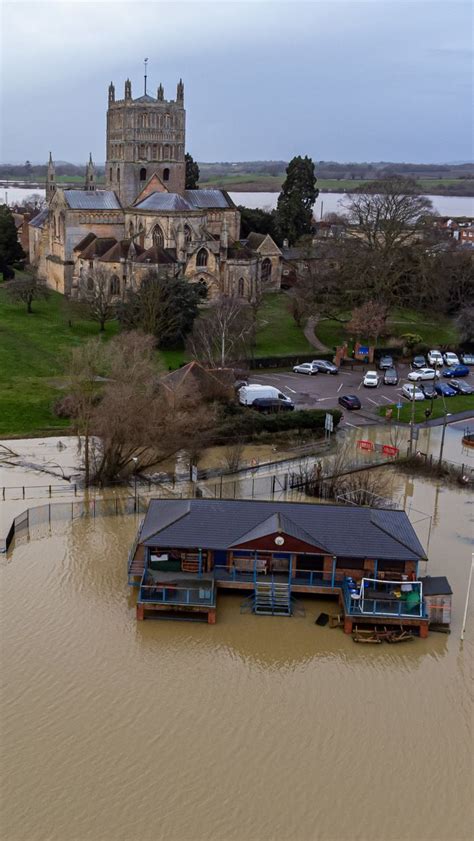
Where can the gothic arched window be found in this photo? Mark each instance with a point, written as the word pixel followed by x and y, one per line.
pixel 241 287
pixel 188 234
pixel 266 270
pixel 158 236
pixel 166 152
pixel 143 174
pixel 166 174
pixel 201 259
pixel 141 235
pixel 130 229
pixel 118 174
pixel 90 284
pixel 110 174
pixel 114 285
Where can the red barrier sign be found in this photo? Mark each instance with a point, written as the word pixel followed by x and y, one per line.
pixel 366 445
pixel 390 451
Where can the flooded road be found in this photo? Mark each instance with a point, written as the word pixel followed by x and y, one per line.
pixel 256 728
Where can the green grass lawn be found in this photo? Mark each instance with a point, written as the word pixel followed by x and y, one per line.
pixel 434 330
pixel 278 335
pixel 460 403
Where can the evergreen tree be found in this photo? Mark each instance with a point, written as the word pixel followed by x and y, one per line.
pixel 192 173
pixel 10 249
pixel 163 307
pixel 295 203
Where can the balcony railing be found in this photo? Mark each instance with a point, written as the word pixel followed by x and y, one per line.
pixel 303 577
pixel 203 593
pixel 384 601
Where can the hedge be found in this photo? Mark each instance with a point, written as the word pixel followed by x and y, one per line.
pixel 240 422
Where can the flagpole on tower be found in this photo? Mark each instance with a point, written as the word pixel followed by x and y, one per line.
pixel 145 63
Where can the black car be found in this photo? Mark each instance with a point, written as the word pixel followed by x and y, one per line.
pixel 350 401
pixel 419 362
pixel 429 390
pixel 269 404
pixel 461 387
pixel 390 377
pixel 385 362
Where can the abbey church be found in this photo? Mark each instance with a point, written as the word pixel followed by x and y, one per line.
pixel 145 218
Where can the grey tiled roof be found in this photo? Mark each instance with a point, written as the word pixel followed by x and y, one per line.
pixel 207 198
pixel 343 531
pixel 40 218
pixel 164 201
pixel 92 200
pixel 190 200
pixel 276 523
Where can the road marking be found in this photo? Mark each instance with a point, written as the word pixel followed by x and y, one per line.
pixel 340 388
pixel 388 399
pixel 359 386
pixel 325 398
pixel 373 401
pixel 291 389
pixel 351 424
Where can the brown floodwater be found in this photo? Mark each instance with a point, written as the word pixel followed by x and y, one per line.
pixel 256 728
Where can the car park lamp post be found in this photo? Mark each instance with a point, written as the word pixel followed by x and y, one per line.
pixel 412 419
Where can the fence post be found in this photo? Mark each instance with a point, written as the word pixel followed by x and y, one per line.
pixel 49 486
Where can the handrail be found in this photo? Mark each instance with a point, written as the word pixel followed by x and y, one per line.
pixel 379 606
pixel 162 593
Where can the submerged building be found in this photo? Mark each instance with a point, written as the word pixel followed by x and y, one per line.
pixel 145 219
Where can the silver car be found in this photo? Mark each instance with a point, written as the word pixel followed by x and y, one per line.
pixel 423 374
pixel 306 368
pixel 412 392
pixel 325 367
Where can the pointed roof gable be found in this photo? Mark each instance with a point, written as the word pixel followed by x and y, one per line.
pixel 97 248
pixel 153 185
pixel 157 255
pixel 277 523
pixel 263 243
pixel 85 241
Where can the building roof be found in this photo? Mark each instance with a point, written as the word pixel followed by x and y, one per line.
pixel 254 240
pixel 341 530
pixel 436 586
pixel 92 200
pixel 85 241
pixel 156 255
pixel 119 251
pixel 97 247
pixel 190 200
pixel 40 218
pixel 236 251
pixel 197 377
pixel 276 523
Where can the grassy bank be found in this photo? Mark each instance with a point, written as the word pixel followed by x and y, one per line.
pixel 434 330
pixel 460 403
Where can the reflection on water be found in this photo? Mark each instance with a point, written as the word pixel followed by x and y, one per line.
pixel 256 728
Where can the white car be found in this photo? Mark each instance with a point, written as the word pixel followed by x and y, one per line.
pixel 412 392
pixel 450 359
pixel 371 379
pixel 423 374
pixel 435 357
pixel 306 368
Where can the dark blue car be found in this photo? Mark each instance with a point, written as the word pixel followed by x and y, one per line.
pixel 445 389
pixel 457 371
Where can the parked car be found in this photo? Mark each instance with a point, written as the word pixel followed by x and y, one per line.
pixel 268 405
pixel 350 401
pixel 418 362
pixel 457 371
pixel 450 359
pixel 390 377
pixel 445 390
pixel 408 390
pixel 461 387
pixel 325 367
pixel 385 362
pixel 435 357
pixel 306 368
pixel 467 358
pixel 429 390
pixel 412 392
pixel 423 374
pixel 371 379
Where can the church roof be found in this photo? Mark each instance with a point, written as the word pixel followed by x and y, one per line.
pixel 145 98
pixel 40 218
pixel 155 255
pixel 97 248
pixel 190 200
pixel 85 241
pixel 92 200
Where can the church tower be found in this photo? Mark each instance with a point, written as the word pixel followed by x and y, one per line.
pixel 145 136
pixel 50 179
pixel 90 182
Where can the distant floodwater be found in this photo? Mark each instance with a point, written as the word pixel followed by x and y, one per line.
pixel 325 203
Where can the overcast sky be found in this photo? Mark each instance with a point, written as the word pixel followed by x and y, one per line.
pixel 338 79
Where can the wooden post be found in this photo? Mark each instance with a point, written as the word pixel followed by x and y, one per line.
pixel 211 617
pixel 348 625
pixel 140 612
pixel 424 630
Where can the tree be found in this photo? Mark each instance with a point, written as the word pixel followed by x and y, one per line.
pixel 294 213
pixel 26 289
pixel 95 293
pixel 465 324
pixel 164 307
pixel 192 173
pixel 224 333
pixel 257 220
pixel 368 320
pixel 10 249
pixel 86 366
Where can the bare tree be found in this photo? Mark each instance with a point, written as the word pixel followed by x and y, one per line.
pixel 96 294
pixel 26 290
pixel 223 334
pixel 369 320
pixel 84 393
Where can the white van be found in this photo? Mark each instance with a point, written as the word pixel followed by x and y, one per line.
pixel 249 393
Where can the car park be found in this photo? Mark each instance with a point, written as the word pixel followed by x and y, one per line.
pixel 325 367
pixel 467 358
pixel 457 371
pixel 350 401
pixel 435 357
pixel 418 362
pixel 268 405
pixel 306 368
pixel 450 359
pixel 412 392
pixel 390 377
pixel 371 379
pixel 445 390
pixel 385 362
pixel 429 391
pixel 423 374
pixel 461 387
